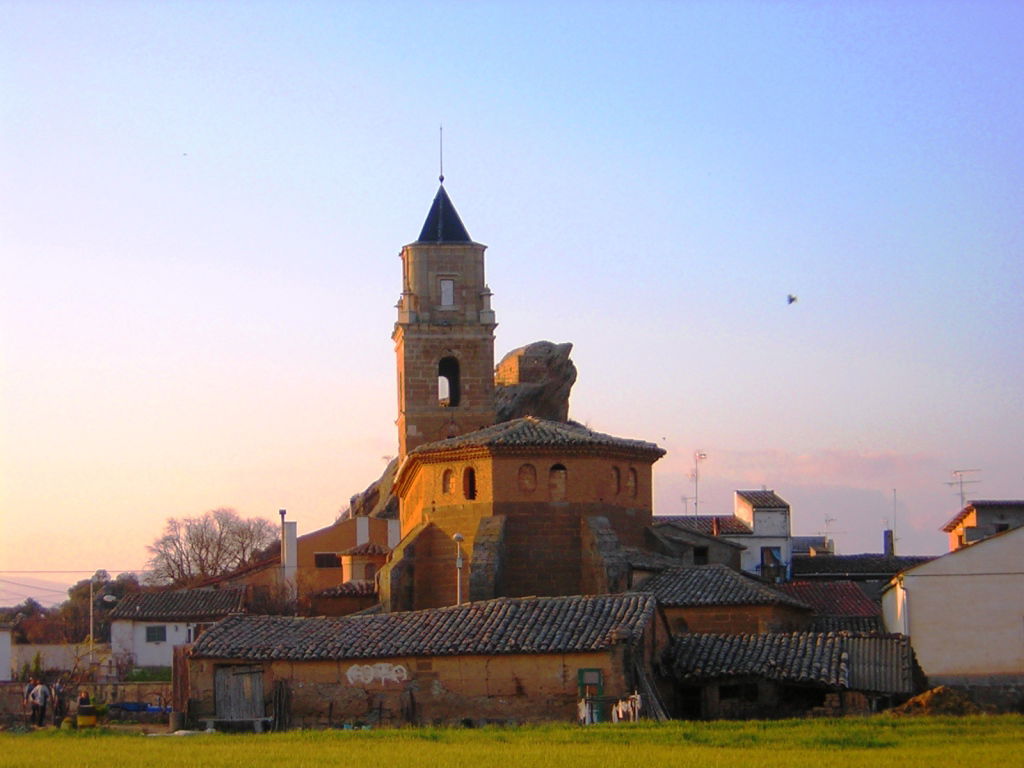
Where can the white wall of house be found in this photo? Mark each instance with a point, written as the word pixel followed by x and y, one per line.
pixel 5 655
pixel 964 611
pixel 142 640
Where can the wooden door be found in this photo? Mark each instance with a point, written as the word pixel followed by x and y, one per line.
pixel 238 692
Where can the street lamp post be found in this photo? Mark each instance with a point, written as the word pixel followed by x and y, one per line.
pixel 458 539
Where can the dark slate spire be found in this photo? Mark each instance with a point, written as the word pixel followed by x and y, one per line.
pixel 443 224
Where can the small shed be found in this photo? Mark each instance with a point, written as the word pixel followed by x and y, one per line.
pixel 788 674
pixel 504 660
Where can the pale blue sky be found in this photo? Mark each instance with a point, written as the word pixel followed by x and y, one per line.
pixel 201 206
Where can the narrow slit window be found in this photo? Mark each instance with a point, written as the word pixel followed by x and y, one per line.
pixel 469 483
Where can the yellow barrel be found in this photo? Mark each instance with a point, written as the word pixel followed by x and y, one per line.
pixel 86 716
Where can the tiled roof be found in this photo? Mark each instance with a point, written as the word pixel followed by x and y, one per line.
pixel 713 585
pixel 643 560
pixel 531 432
pixel 831 598
pixel 871 663
pixel 802 545
pixel 443 224
pixel 847 624
pixel 353 588
pixel 179 604
pixel 763 499
pixel 367 548
pixel 505 625
pixel 854 565
pixel 982 504
pixel 728 525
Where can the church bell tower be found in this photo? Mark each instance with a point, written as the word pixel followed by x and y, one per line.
pixel 444 337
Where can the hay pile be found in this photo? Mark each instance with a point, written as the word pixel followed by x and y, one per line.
pixel 939 701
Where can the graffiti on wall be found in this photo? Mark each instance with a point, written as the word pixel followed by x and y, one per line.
pixel 366 674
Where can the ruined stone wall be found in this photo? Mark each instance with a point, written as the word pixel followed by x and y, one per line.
pixel 435 690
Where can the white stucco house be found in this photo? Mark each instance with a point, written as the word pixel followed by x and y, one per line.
pixel 5 653
pixel 964 613
pixel 146 626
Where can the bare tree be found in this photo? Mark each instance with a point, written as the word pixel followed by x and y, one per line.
pixel 195 548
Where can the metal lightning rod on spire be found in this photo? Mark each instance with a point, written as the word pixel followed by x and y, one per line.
pixel 440 152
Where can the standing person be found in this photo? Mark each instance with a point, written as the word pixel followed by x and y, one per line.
pixel 60 706
pixel 27 692
pixel 39 696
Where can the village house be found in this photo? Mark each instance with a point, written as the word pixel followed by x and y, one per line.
pixel 963 612
pixel 981 519
pixel 145 626
pixel 509 660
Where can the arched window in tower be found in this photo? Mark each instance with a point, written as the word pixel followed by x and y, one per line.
pixel 616 481
pixel 448 382
pixel 469 483
pixel 557 476
pixel 448 482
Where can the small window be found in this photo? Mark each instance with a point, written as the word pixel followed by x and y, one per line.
pixel 469 483
pixel 616 481
pixel 557 478
pixel 448 482
pixel 157 634
pixel 369 571
pixel 326 560
pixel 700 555
pixel 447 292
pixel 591 682
pixel 527 478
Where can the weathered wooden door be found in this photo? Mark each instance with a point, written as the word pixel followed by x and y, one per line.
pixel 238 692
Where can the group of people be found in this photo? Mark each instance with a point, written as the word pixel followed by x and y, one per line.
pixel 39 695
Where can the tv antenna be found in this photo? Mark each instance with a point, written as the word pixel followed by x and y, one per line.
pixel 960 482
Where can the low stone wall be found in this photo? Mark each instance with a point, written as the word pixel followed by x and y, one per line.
pixel 1002 692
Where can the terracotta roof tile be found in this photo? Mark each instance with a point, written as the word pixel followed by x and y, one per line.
pixel 353 588
pixel 881 663
pixel 763 499
pixel 180 604
pixel 367 548
pixel 713 585
pixel 854 565
pixel 643 560
pixel 832 598
pixel 531 432
pixel 728 525
pixel 505 625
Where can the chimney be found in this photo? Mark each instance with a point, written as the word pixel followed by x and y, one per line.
pixel 289 554
pixel 888 543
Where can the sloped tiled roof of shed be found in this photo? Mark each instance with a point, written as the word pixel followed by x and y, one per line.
pixel 531 432
pixel 179 604
pixel 352 588
pixel 881 663
pixel 855 565
pixel 763 499
pixel 728 525
pixel 645 560
pixel 505 625
pixel 832 598
pixel 713 585
pixel 367 548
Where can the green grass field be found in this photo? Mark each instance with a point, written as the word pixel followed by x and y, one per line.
pixel 878 742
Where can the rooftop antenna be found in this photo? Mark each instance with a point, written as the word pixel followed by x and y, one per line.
pixel 959 475
pixel 440 152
